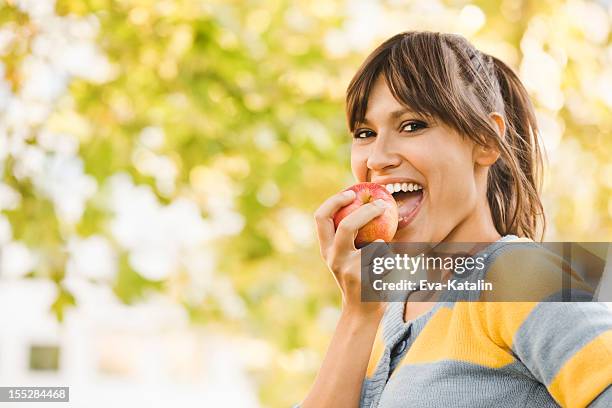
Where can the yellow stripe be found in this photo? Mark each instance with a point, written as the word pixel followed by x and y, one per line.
pixel 501 320
pixel 457 334
pixel 377 351
pixel 585 375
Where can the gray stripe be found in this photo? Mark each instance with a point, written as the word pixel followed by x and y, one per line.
pixel 553 332
pixel 604 400
pixel 393 322
pixel 460 384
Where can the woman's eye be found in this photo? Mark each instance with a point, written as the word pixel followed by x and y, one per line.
pixel 413 126
pixel 363 134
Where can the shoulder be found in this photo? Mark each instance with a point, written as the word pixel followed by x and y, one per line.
pixel 525 271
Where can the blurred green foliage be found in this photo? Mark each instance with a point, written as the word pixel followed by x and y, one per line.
pixel 250 90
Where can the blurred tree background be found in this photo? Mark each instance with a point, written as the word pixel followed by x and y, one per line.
pixel 180 147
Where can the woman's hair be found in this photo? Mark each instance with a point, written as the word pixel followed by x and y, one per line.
pixel 443 76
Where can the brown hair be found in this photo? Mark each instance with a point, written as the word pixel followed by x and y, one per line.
pixel 443 76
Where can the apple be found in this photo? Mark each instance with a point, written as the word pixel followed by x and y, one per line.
pixel 382 227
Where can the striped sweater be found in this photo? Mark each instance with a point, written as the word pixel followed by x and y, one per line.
pixel 493 354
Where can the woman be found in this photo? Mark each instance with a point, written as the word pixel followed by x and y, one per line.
pixel 431 110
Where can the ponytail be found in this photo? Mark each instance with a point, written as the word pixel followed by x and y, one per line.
pixel 515 180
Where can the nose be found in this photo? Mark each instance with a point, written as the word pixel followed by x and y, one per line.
pixel 382 156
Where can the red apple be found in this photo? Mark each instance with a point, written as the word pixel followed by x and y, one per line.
pixel 382 227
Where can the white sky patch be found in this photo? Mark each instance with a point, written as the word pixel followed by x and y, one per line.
pixel 62 143
pixel 541 74
pixel 160 167
pixel 268 194
pixel 92 257
pixel 200 264
pixel 591 18
pixel 5 89
pixel 471 19
pixel 16 260
pixel 149 162
pixel 363 15
pixel 152 137
pixel 37 8
pixel 7 37
pixel 551 130
pixel 65 183
pixel 42 81
pixel 299 225
pixel 156 236
pixel 6 232
pixel 30 160
pixel 9 197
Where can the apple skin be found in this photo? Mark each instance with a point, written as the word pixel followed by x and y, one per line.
pixel 382 227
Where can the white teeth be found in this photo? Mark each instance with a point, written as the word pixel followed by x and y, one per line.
pixel 396 187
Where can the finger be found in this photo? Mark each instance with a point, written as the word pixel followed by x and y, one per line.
pixel 324 217
pixel 372 251
pixel 376 249
pixel 349 226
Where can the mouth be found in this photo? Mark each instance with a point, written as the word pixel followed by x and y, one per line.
pixel 408 197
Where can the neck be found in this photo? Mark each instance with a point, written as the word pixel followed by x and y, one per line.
pixel 476 227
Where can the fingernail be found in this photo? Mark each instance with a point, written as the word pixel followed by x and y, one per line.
pixel 380 203
pixel 349 193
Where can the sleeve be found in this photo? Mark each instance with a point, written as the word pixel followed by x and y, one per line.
pixel 567 346
pixel 604 400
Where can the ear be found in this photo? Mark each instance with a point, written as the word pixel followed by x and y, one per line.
pixel 499 122
pixel 488 155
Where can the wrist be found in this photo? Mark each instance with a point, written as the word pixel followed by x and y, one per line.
pixel 357 313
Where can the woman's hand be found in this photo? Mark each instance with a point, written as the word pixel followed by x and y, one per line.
pixel 339 252
pixel 339 381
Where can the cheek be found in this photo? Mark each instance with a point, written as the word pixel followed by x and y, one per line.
pixel 449 173
pixel 454 178
pixel 359 166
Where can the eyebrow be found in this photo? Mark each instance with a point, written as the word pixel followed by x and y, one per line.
pixel 393 115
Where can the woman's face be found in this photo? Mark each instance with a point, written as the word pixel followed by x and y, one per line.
pixel 395 145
